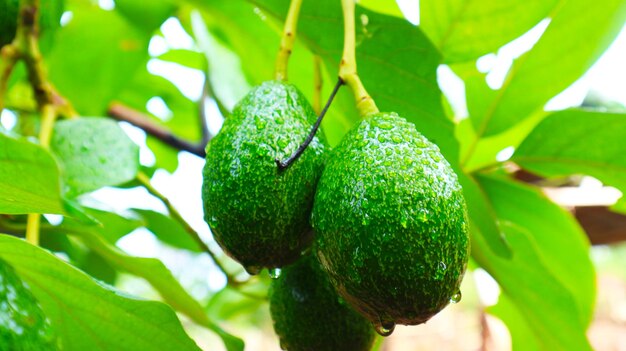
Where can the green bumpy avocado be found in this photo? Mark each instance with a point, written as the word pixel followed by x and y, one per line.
pixel 260 215
pixel 309 315
pixel 23 325
pixel 391 224
pixel 8 20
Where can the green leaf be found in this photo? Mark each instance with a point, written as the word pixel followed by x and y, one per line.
pixel 93 152
pixel 89 315
pixel 396 62
pixel 155 272
pixel 29 178
pixel 168 230
pixel 105 52
pixel 110 226
pixel 587 142
pixel 483 216
pixel 464 30
pixel 555 62
pixel 146 15
pixel 547 306
pixel 561 243
pixel 187 58
pixel 386 7
pixel 522 336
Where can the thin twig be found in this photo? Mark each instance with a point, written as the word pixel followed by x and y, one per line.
pixel 124 113
pixel 286 163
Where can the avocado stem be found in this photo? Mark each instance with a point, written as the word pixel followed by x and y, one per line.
pixel 282 165
pixel 287 40
pixel 347 68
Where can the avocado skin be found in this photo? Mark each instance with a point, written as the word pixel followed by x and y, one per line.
pixel 260 215
pixel 390 222
pixel 309 315
pixel 23 325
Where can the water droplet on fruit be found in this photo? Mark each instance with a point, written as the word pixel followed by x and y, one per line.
pixel 274 273
pixel 396 139
pixel 253 270
pixel 404 221
pixel 279 120
pixel 441 270
pixel 385 125
pixel 385 328
pixel 420 143
pixel 456 297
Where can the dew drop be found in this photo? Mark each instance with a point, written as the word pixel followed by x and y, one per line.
pixel 282 143
pixel 274 273
pixel 385 125
pixel 279 120
pixel 404 221
pixel 396 139
pixel 385 328
pixel 253 270
pixel 456 297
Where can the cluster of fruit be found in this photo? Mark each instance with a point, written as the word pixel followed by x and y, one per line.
pixel 373 232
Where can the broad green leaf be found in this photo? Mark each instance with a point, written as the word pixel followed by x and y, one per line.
pixel 522 336
pixel 29 178
pixel 148 15
pixel 168 230
pixel 89 315
pixel 105 52
pixel 155 272
pixel 561 243
pixel 483 216
pixel 93 152
pixel 187 58
pixel 577 142
pixel 241 304
pixel 387 7
pixel 547 306
pixel 579 32
pixel 110 226
pixel 464 30
pixel 396 62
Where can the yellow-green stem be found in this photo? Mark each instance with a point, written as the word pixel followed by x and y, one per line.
pixel 287 40
pixel 318 83
pixel 32 228
pixel 347 69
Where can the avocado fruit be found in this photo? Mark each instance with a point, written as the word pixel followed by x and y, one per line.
pixel 391 224
pixel 23 324
pixel 258 213
pixel 308 314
